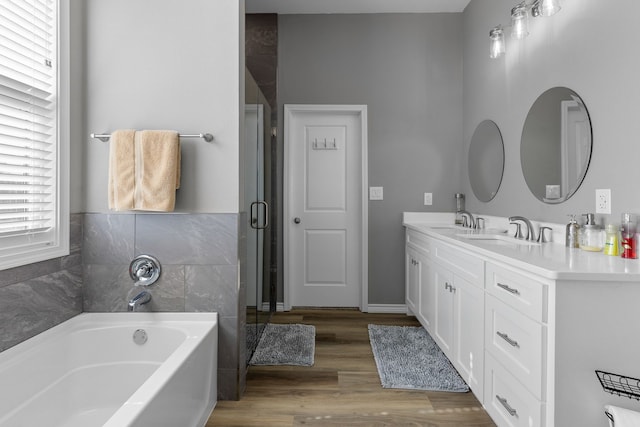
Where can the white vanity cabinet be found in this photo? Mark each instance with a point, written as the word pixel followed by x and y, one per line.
pixel 418 291
pixel 413 274
pixel 444 289
pixel 515 345
pixel 469 339
pixel 458 278
pixel 527 325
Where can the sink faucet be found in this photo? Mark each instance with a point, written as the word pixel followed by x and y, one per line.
pixel 140 299
pixel 531 232
pixel 472 223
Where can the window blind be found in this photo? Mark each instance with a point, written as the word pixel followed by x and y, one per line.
pixel 28 123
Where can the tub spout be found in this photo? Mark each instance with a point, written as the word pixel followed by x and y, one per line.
pixel 140 299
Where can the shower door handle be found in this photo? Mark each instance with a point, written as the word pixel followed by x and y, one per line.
pixel 255 220
pixel 265 205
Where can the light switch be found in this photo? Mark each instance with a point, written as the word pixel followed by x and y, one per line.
pixel 428 199
pixel 375 193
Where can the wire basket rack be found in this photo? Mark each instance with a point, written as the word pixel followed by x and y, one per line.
pixel 620 385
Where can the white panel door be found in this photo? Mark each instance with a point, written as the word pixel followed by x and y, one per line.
pixel 324 206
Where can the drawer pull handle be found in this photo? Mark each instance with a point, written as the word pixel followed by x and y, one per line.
pixel 509 289
pixel 505 337
pixel 506 405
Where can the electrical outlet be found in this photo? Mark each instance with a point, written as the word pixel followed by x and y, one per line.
pixel 375 193
pixel 603 201
pixel 428 199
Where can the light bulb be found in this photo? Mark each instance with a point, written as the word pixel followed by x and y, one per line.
pixel 496 49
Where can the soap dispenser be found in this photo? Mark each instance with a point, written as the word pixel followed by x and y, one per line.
pixel 611 246
pixel 571 236
pixel 591 236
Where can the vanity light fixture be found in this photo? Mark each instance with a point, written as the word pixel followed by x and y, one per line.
pixel 545 7
pixel 496 49
pixel 520 23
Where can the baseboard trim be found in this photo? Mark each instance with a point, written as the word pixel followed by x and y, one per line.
pixel 387 308
pixel 279 306
pixel 372 308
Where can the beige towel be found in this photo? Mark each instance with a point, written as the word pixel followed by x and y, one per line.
pixel 121 170
pixel 157 170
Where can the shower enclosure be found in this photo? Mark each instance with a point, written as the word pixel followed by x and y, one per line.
pixel 257 193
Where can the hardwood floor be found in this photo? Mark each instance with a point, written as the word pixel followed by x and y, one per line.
pixel 342 388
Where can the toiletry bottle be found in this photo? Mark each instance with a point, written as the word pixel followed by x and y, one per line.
pixel 459 207
pixel 627 236
pixel 591 236
pixel 571 236
pixel 611 246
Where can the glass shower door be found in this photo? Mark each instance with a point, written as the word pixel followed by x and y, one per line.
pixel 256 188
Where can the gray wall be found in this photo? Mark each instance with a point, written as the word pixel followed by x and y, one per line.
pixel 408 70
pixel 567 49
pixel 167 64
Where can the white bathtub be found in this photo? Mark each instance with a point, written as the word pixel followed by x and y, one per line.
pixel 89 372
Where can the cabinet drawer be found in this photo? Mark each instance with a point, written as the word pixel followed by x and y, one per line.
pixel 507 401
pixel 524 294
pixel 517 342
pixel 419 241
pixel 462 263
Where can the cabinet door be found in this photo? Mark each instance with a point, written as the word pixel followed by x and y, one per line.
pixel 427 294
pixel 443 281
pixel 469 334
pixel 412 279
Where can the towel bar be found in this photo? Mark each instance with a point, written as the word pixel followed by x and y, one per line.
pixel 104 137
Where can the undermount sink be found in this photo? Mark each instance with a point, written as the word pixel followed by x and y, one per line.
pixel 497 238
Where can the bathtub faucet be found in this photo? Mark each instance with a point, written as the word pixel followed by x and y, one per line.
pixel 140 299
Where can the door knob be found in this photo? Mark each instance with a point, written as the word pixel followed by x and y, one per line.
pixel 296 220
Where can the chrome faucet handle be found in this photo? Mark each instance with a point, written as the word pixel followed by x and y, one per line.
pixel 518 234
pixel 465 222
pixel 478 225
pixel 542 238
pixel 145 270
pixel 531 233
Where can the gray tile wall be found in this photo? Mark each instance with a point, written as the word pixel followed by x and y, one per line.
pixel 199 257
pixel 36 297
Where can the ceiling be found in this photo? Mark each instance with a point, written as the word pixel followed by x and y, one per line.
pixel 354 6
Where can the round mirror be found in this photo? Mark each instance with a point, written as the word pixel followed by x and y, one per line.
pixel 555 149
pixel 486 160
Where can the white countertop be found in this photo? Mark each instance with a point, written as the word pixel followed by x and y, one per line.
pixel 549 260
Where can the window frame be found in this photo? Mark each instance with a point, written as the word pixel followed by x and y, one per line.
pixel 60 245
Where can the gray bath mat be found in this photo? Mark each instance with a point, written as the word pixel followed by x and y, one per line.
pixel 408 358
pixel 286 345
